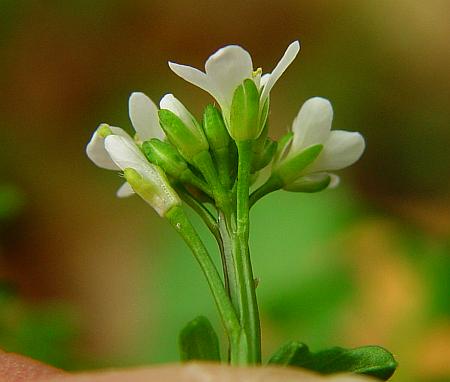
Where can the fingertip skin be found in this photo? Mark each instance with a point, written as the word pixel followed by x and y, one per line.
pixel 17 368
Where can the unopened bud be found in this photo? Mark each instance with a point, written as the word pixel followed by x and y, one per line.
pixel 244 113
pixel 188 140
pixel 215 129
pixel 166 156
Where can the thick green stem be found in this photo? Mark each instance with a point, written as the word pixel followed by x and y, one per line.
pixel 181 223
pixel 249 314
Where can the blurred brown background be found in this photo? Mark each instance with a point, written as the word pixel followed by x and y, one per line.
pixel 106 282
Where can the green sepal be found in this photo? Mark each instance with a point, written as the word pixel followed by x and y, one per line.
pixel 214 128
pixel 290 169
pixel 264 113
pixel 264 157
pixel 283 142
pixel 188 141
pixel 374 361
pixel 166 156
pixel 309 184
pixel 198 341
pixel 244 113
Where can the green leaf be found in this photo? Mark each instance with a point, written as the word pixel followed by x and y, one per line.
pixel 368 360
pixel 198 341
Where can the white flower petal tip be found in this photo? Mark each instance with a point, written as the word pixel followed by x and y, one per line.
pixel 289 56
pixel 168 101
pixel 334 181
pixel 312 124
pixel 144 116
pixel 125 191
pixel 96 152
pixel 124 152
pixel 341 150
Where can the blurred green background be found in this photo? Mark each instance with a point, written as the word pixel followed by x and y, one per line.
pixel 90 281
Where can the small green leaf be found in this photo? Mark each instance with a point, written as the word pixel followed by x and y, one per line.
pixel 368 360
pixel 198 341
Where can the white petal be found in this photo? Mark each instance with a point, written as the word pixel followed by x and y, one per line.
pixel 125 153
pixel 286 60
pixel 125 191
pixel 264 79
pixel 144 117
pixel 342 149
pixel 226 70
pixel 96 151
pixel 171 103
pixel 334 182
pixel 312 124
pixel 193 76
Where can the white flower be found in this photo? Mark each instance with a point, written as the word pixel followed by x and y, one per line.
pixel 147 180
pixel 112 148
pixel 312 126
pixel 226 69
pixel 144 117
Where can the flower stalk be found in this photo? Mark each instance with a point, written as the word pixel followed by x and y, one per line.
pixel 173 161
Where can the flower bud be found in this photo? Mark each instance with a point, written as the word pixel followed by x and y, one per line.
pixel 166 156
pixel 157 191
pixel 215 129
pixel 309 183
pixel 289 169
pixel 244 113
pixel 188 140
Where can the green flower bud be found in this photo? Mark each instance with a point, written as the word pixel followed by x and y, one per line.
pixel 215 129
pixel 155 190
pixel 189 140
pixel 244 113
pixel 289 169
pixel 309 183
pixel 166 156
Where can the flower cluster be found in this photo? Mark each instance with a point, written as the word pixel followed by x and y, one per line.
pixel 172 152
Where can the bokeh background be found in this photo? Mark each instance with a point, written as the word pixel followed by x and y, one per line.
pixel 91 281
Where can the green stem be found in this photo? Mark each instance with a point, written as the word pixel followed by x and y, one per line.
pixel 249 314
pixel 201 210
pixel 181 223
pixel 189 177
pixel 204 163
pixel 272 184
pixel 213 227
pixel 226 233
